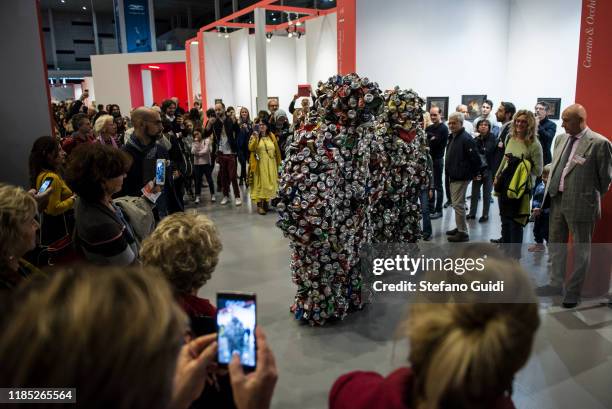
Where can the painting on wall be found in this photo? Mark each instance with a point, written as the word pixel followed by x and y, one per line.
pixel 473 103
pixel 554 107
pixel 440 102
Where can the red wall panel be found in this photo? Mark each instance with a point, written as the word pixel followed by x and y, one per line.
pixel 136 92
pixel 593 91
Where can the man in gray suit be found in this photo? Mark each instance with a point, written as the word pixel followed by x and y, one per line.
pixel 581 173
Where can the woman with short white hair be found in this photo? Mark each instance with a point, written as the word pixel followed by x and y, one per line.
pixel 105 130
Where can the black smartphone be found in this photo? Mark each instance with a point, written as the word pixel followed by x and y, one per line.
pixel 236 322
pixel 45 184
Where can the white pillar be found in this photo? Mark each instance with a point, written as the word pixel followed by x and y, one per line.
pixel 261 60
pixel 95 28
pixel 52 37
pixel 152 26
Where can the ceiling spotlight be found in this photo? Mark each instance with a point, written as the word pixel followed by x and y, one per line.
pixel 84 8
pixel 62 1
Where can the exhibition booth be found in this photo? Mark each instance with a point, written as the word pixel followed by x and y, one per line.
pixel 223 65
pixel 136 79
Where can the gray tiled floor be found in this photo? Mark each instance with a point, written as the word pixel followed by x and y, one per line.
pixel 570 367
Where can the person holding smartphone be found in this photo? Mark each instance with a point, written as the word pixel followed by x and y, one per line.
pixel 45 162
pixel 263 166
pixel 131 313
pixel 244 134
pixel 225 148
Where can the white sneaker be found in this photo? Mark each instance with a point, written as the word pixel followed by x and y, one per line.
pixel 238 202
pixel 197 200
pixel 213 199
pixel 224 200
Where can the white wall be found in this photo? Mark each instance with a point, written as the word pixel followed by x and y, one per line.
pixel 322 47
pixel 513 50
pixel 111 76
pixel 282 70
pixel 195 71
pixel 301 60
pixel 241 70
pixel 543 52
pixel 218 62
pixel 437 47
pixel 147 87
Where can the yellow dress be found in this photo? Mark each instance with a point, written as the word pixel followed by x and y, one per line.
pixel 265 177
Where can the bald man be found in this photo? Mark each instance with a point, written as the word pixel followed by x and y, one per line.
pixel 144 150
pixel 580 175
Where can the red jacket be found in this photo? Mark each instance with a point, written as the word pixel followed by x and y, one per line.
pixel 369 390
pixel 195 306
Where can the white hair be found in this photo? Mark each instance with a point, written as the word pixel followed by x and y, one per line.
pixel 101 122
pixel 456 115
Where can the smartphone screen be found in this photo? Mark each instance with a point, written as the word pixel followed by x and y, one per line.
pixel 160 172
pixel 236 321
pixel 45 185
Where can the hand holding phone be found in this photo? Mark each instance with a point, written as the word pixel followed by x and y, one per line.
pixel 160 172
pixel 254 390
pixel 236 322
pixel 192 369
pixel 45 185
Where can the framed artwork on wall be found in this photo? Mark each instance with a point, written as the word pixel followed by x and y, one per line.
pixel 473 102
pixel 554 111
pixel 440 102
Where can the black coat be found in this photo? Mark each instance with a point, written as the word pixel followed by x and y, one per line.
pixel 143 166
pixel 546 133
pixel 462 160
pixel 487 147
pixel 437 136
pixel 231 130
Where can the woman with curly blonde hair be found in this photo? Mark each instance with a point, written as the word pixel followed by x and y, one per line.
pixel 186 247
pixel 18 227
pixel 523 144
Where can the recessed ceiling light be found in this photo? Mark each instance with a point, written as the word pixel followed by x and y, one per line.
pixel 84 8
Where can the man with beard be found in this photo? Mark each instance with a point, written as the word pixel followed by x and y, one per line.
pixel 145 152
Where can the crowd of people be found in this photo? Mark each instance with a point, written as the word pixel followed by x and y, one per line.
pixel 127 254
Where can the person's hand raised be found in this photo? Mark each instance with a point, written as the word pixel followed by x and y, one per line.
pixel 192 369
pixel 254 390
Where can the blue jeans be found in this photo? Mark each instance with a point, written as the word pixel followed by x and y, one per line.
pixel 424 199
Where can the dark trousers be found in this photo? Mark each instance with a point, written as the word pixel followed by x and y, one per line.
pixel 200 171
pixel 424 199
pixel 227 174
pixel 487 187
pixel 436 202
pixel 540 228
pixel 447 188
pixel 512 236
pixel 243 170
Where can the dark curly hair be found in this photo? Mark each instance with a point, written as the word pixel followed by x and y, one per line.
pixel 92 163
pixel 39 157
pixel 166 104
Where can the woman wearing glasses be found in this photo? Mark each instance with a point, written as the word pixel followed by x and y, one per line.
pixel 515 178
